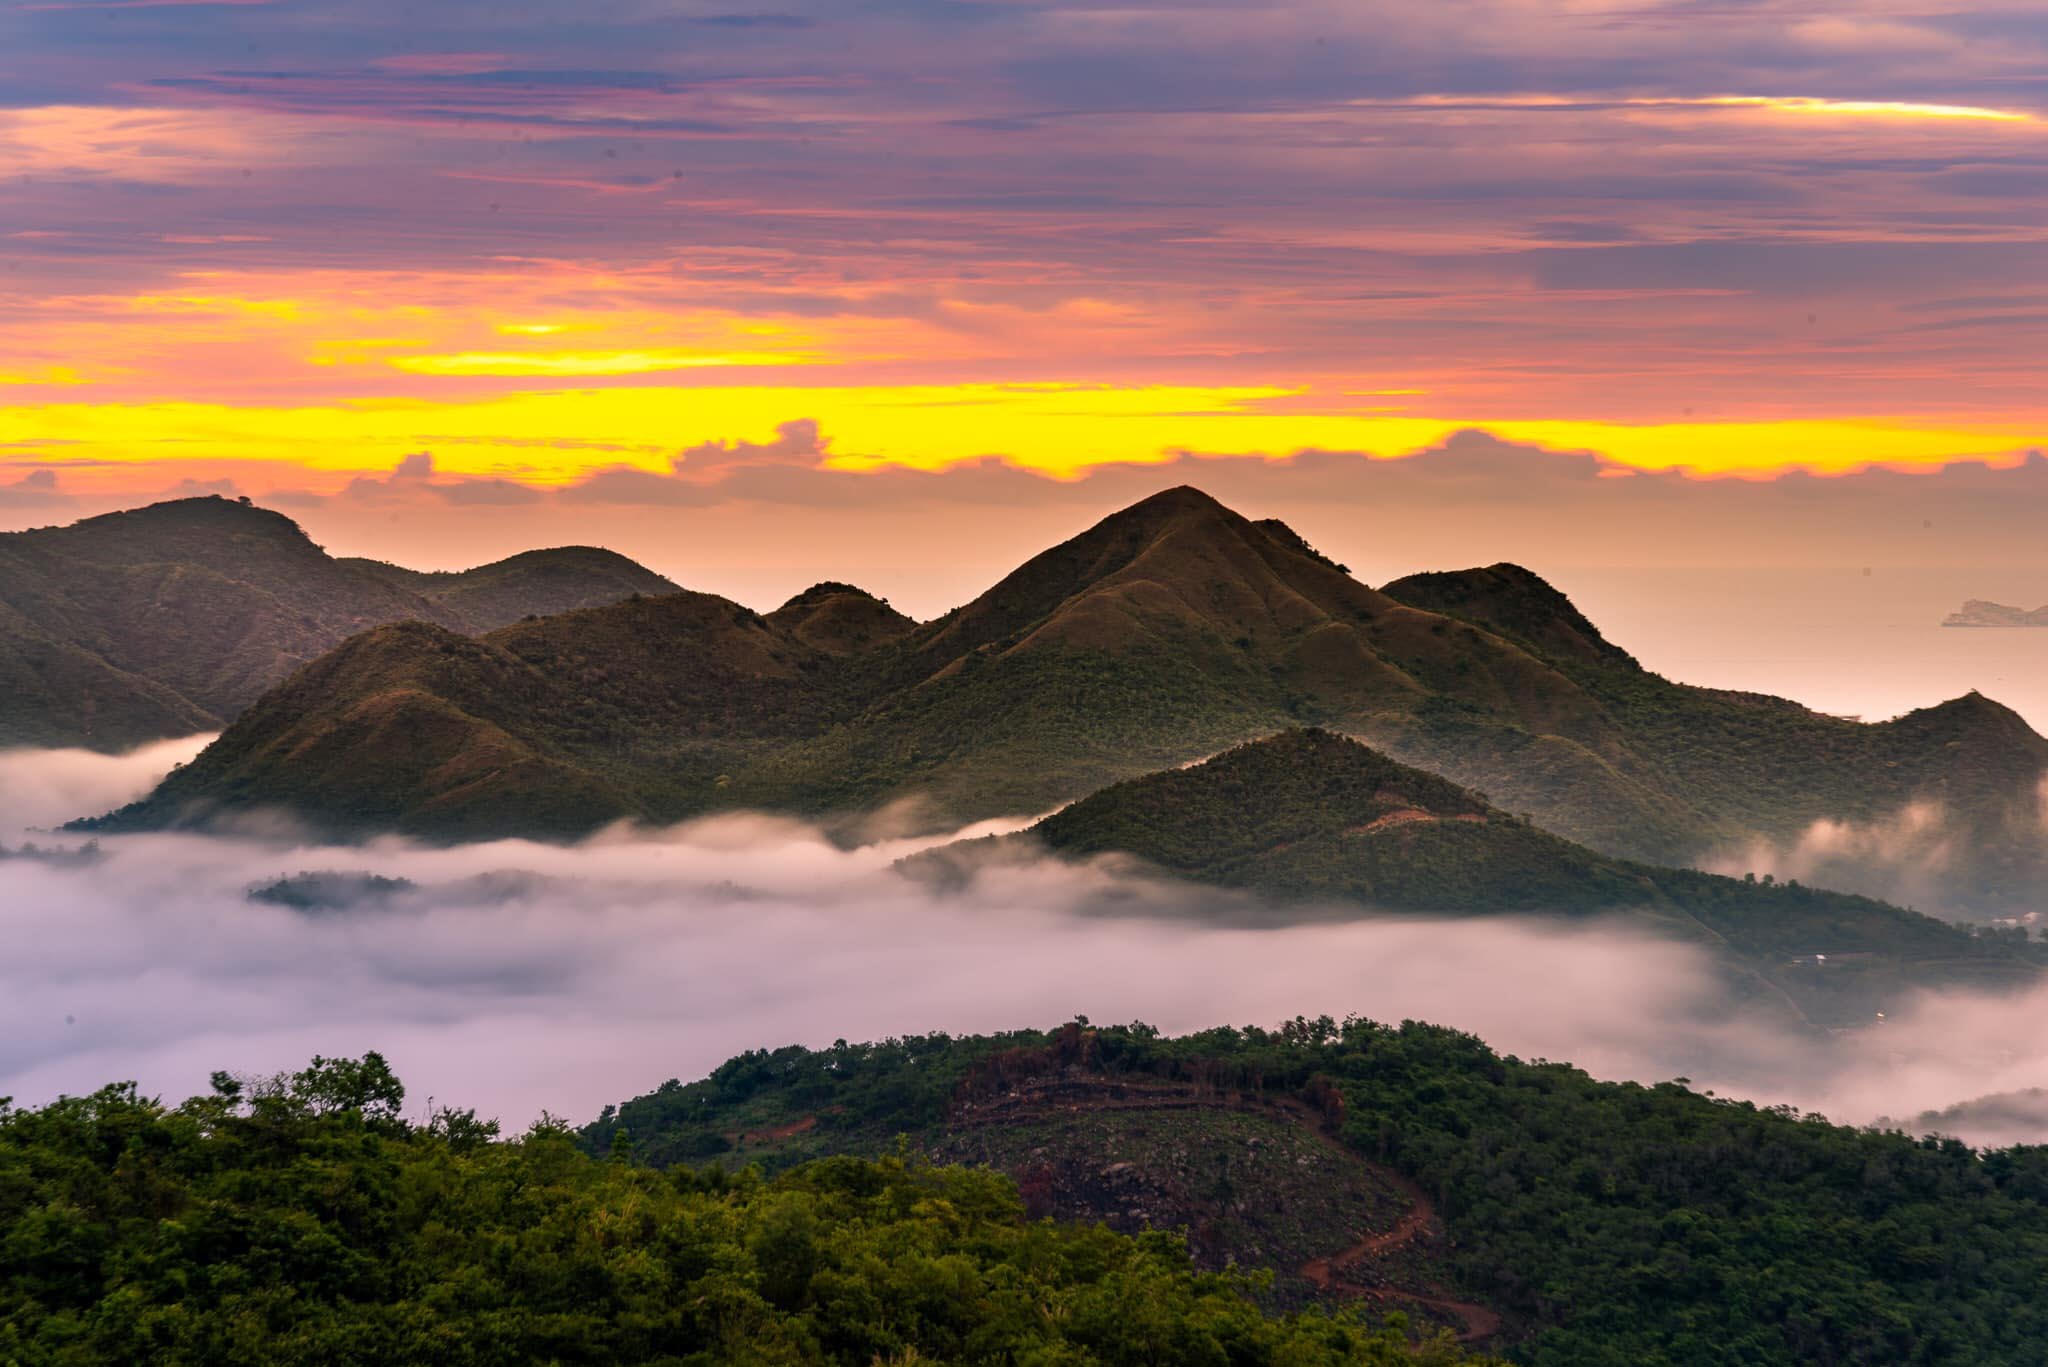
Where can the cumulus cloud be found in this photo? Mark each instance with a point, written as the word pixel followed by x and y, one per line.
pixel 517 977
pixel 1900 857
pixel 36 489
pixel 413 478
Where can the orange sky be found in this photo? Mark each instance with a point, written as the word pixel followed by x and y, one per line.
pixel 261 247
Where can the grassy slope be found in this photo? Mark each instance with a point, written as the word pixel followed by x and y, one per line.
pixel 1312 815
pixel 1170 629
pixel 1166 632
pixel 1744 763
pixel 171 619
pixel 533 583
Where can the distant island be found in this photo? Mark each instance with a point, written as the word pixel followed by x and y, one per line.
pixel 1978 613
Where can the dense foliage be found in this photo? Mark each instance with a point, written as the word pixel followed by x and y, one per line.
pixel 304 1221
pixel 1616 1224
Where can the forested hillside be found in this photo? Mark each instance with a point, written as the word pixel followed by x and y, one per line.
pixel 304 1220
pixel 1607 1225
pixel 1317 819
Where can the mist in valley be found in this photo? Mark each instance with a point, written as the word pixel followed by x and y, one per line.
pixel 519 977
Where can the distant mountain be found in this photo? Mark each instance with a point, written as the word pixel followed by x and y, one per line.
pixel 530 584
pixel 170 619
pixel 1314 817
pixel 1168 631
pixel 1979 613
pixel 840 619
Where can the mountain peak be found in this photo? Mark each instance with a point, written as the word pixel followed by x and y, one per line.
pixel 1516 603
pixel 1175 561
pixel 175 528
pixel 840 619
pixel 1181 498
pixel 1974 716
pixel 824 590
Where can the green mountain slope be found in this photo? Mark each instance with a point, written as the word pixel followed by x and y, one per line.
pixel 1594 1222
pixel 1312 816
pixel 304 1219
pixel 530 584
pixel 840 619
pixel 1746 764
pixel 1166 632
pixel 171 619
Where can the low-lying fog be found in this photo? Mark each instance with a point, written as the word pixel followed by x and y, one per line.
pixel 517 977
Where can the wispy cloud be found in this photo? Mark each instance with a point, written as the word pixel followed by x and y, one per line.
pixel 1612 226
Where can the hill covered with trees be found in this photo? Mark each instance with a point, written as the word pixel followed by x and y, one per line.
pixel 1603 1224
pixel 304 1220
pixel 1312 817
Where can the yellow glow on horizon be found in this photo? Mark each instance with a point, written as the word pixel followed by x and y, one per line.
pixel 1786 104
pixel 572 363
pixel 223 305
pixel 53 375
pixel 1058 430
pixel 1803 104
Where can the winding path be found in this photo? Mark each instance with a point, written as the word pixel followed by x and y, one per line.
pixel 1327 1275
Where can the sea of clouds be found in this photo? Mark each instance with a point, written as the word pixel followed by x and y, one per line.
pixel 518 977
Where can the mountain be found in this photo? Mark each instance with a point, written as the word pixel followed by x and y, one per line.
pixel 1747 768
pixel 1170 629
pixel 1166 632
pixel 530 584
pixel 170 619
pixel 1561 1219
pixel 840 619
pixel 303 1218
pixel 1312 817
pixel 1979 613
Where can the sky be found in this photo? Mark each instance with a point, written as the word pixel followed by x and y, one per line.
pixel 614 260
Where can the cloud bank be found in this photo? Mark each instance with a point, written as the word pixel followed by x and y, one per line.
pixel 46 788
pixel 519 977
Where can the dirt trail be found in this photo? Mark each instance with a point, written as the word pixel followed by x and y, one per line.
pixel 1327 1275
pixel 774 1133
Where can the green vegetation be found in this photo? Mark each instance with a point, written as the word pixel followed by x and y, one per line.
pixel 1308 814
pixel 330 890
pixel 1741 763
pixel 1165 633
pixel 1613 1225
pixel 303 1220
pixel 170 619
pixel 1311 816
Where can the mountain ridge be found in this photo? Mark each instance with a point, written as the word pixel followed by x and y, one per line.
pixel 172 618
pixel 1165 632
pixel 1316 819
pixel 1978 612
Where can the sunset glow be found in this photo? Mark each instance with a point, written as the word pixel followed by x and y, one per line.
pixel 281 253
